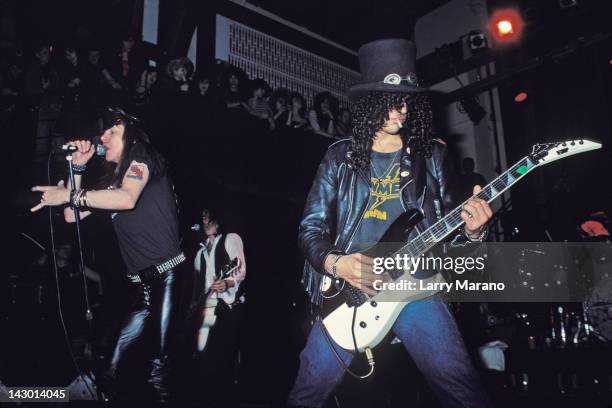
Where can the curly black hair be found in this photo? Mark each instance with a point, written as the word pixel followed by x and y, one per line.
pixel 371 111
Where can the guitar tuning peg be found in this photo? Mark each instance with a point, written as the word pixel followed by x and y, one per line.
pixel 563 144
pixel 573 143
pixel 581 142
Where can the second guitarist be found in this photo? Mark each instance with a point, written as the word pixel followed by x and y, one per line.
pixel 217 344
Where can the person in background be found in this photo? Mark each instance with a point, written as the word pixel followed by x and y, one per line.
pixel 280 107
pixel 468 180
pixel 233 93
pixel 322 115
pixel 147 85
pixel 258 103
pixel 179 72
pixel 343 127
pixel 41 86
pixel 297 116
pixel 217 334
pixel 73 117
pixel 128 63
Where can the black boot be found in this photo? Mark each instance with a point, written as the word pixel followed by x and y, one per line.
pixel 107 385
pixel 159 379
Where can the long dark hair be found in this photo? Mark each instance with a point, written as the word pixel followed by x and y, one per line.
pixel 136 146
pixel 320 98
pixel 370 112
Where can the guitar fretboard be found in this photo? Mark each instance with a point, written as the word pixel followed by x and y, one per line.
pixel 437 232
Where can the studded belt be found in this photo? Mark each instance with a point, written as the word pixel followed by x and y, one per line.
pixel 158 269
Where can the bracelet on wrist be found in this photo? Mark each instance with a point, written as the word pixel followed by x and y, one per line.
pixel 334 263
pixel 83 199
pixel 78 168
pixel 478 237
pixel 78 198
pixel 75 198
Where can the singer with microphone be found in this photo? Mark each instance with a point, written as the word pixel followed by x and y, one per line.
pixel 139 195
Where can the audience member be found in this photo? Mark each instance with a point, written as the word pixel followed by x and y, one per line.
pixel 258 102
pixel 280 108
pixel 321 116
pixel 468 180
pixel 127 64
pixel 179 73
pixel 73 117
pixel 206 97
pixel 41 85
pixel 97 81
pixel 344 126
pixel 146 87
pixel 297 115
pixel 233 92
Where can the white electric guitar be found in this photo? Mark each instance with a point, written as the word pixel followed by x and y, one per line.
pixel 356 321
pixel 205 306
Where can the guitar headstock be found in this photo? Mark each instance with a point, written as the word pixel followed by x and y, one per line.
pixel 544 153
pixel 229 268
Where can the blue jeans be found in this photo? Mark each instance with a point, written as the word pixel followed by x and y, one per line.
pixel 428 331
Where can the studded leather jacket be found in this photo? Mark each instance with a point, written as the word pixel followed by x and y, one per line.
pixel 339 196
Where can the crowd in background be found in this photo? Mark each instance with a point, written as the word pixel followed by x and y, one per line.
pixel 62 89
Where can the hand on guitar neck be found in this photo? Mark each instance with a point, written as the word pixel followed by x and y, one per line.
pixel 476 213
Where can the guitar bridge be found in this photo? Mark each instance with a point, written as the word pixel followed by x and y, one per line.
pixel 354 297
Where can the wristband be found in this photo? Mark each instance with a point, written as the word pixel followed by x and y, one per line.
pixel 78 168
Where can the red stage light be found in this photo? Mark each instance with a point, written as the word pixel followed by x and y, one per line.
pixel 520 97
pixel 506 25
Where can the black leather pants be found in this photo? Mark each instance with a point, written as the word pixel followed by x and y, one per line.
pixel 153 312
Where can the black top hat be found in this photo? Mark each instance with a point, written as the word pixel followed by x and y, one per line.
pixel 387 65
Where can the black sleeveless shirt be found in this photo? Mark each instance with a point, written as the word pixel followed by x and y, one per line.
pixel 149 233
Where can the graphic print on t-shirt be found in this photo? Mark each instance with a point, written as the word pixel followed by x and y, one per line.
pixel 381 190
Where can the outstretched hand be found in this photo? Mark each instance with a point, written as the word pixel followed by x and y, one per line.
pixel 52 195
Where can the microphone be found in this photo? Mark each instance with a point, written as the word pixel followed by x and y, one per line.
pixel 195 227
pixel 100 149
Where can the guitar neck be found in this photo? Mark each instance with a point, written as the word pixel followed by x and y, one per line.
pixel 441 229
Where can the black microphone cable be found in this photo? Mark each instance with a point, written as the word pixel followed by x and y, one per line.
pixel 80 372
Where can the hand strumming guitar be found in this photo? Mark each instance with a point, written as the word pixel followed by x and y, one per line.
pixel 356 269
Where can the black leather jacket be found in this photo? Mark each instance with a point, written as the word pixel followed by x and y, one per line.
pixel 339 196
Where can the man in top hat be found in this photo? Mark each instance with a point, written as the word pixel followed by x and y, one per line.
pixel 391 164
